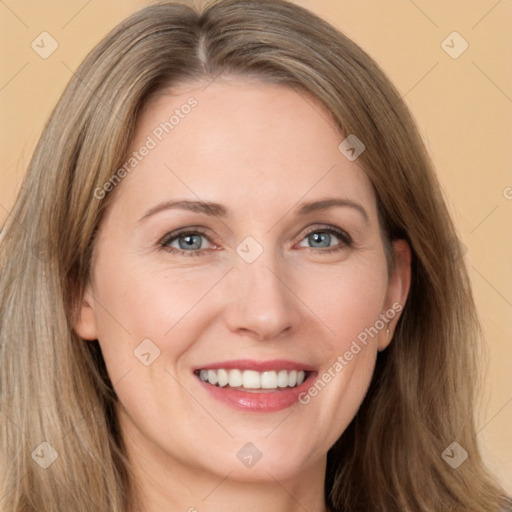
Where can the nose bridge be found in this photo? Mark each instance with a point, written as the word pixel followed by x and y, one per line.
pixel 262 280
pixel 262 304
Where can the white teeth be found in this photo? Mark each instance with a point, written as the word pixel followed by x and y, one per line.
pixel 282 379
pixel 212 377
pixel 269 380
pixel 222 378
pixel 235 378
pixel 250 379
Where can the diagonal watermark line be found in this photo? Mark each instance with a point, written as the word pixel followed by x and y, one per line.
pixel 193 192
pixel 199 403
pixel 14 76
pixel 9 214
pixel 324 324
pixel 491 80
pixel 217 486
pixel 300 198
pixel 90 410
pixel 488 215
pixel 494 416
pixel 78 422
pixel 13 422
pixel 284 489
pixel 9 285
pixel 279 424
pixel 485 15
pixel 488 282
pixel 93 93
pixel 211 81
pixel 420 80
pixel 392 106
pixel 76 14
pixel 205 294
pixel 19 19
pixel 424 14
pixel 121 378
pixel 6 170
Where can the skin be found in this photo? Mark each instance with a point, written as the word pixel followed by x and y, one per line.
pixel 260 150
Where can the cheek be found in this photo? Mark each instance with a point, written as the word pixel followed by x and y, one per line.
pixel 147 312
pixel 350 308
pixel 138 303
pixel 135 303
pixel 347 300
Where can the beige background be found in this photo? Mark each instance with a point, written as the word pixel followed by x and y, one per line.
pixel 463 105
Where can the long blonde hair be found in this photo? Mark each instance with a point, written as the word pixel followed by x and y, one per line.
pixel 54 386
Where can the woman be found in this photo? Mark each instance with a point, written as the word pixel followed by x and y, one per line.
pixel 318 352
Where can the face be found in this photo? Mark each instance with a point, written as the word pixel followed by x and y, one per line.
pixel 239 287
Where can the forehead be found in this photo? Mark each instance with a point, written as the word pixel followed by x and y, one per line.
pixel 250 145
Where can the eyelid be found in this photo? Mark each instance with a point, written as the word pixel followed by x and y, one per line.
pixel 328 228
pixel 165 242
pixel 182 231
pixel 346 239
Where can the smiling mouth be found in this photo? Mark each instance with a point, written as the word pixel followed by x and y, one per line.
pixel 253 381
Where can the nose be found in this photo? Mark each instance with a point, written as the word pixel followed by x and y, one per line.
pixel 263 304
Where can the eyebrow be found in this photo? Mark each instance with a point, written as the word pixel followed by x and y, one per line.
pixel 208 208
pixel 218 210
pixel 325 204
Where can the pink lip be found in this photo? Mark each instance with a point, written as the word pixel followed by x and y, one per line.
pixel 259 366
pixel 259 401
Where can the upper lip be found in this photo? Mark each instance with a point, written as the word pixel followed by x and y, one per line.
pixel 259 366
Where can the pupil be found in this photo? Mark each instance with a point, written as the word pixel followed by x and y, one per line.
pixel 189 242
pixel 321 237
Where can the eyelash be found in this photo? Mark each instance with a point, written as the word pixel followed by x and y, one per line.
pixel 176 234
pixel 346 240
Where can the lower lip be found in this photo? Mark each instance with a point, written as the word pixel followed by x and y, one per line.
pixel 258 401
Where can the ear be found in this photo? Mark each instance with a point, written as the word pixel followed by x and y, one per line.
pixel 85 318
pixel 399 283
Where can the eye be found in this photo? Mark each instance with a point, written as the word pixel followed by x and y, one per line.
pixel 187 243
pixel 326 239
